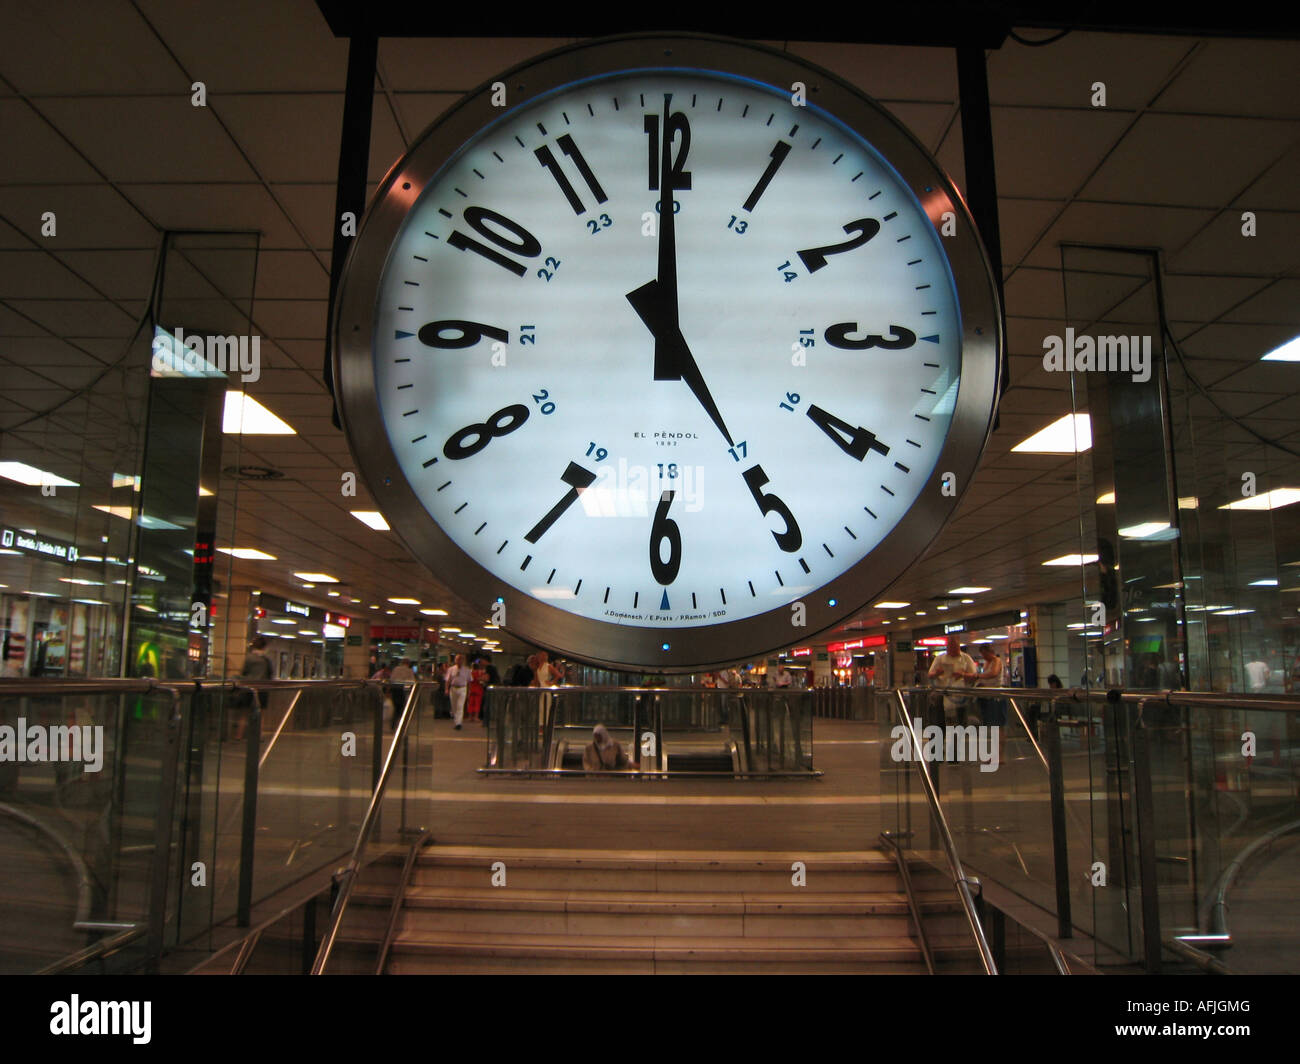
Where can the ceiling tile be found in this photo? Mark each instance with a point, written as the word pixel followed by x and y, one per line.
pixel 1192 160
pixel 149 138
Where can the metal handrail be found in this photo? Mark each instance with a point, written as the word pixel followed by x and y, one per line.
pixel 949 847
pixel 101 948
pixel 84 886
pixel 396 911
pixel 1218 912
pixel 1187 699
pixel 912 901
pixel 261 761
pixel 348 877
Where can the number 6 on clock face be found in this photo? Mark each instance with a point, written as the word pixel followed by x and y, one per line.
pixel 660 354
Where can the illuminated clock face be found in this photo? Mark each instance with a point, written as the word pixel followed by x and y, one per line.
pixel 662 354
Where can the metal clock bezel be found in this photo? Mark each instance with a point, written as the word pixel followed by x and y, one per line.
pixel 620 645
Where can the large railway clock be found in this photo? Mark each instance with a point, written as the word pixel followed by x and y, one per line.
pixel 668 344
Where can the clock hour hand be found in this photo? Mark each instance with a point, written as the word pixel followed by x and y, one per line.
pixel 673 359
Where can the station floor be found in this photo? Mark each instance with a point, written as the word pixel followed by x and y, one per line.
pixel 838 811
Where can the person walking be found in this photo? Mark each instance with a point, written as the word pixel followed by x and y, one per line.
pixel 993 711
pixel 258 667
pixel 458 677
pixel 477 681
pixel 400 677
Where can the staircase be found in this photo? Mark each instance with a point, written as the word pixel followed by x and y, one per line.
pixel 651 912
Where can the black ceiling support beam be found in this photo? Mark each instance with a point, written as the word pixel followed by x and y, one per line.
pixel 354 164
pixel 981 174
pixel 938 23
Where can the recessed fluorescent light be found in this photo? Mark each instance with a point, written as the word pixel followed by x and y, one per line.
pixel 1147 530
pixel 144 520
pixel 941 607
pixel 245 416
pixel 1288 352
pixel 1270 500
pixel 434 613
pixel 390 612
pixel 892 605
pixel 1072 559
pixel 1262 583
pixel 373 518
pixel 309 586
pixel 248 554
pixel 449 629
pixel 116 511
pixel 40 594
pixel 374 607
pixel 100 583
pixel 1230 613
pixel 1106 500
pixel 1071 434
pixel 920 613
pixel 204 493
pixel 1188 502
pixel 969 590
pixel 317 578
pixel 967 601
pixel 333 594
pixel 405 601
pixel 33 477
pixel 283 620
pixel 307 631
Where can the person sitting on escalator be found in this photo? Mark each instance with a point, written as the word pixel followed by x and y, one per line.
pixel 604 752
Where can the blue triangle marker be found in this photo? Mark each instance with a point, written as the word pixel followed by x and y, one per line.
pixel 933 339
pixel 403 335
pixel 664 604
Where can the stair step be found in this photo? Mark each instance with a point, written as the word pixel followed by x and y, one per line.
pixel 638 914
pixel 584 911
pixel 659 902
pixel 649 870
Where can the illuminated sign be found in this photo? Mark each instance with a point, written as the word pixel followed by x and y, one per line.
pixel 342 622
pixel 293 607
pixel 932 641
pixel 865 643
pixel 801 652
pixel 18 539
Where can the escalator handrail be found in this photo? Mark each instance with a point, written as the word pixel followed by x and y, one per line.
pixel 949 847
pixel 348 877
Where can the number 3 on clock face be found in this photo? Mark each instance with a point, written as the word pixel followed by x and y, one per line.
pixel 565 351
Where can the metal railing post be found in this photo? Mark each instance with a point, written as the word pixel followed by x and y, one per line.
pixel 162 845
pixel 1146 842
pixel 248 827
pixel 1060 838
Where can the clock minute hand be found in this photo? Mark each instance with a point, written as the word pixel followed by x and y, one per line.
pixel 677 364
